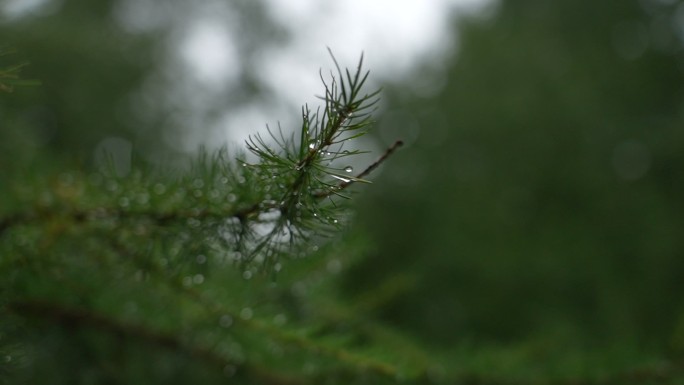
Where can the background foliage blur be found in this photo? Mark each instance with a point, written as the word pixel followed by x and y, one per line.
pixel 533 224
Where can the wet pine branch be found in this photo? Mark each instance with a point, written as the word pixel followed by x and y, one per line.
pixel 174 240
pixel 289 198
pixel 10 74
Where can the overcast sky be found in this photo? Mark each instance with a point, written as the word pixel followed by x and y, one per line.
pixel 396 36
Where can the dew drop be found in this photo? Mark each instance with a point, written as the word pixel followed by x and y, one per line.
pixel 143 198
pixel 229 370
pixel 231 197
pixel 159 189
pixel 312 146
pixel 309 367
pixel 280 319
pixel 198 279
pixel 334 266
pixel 247 275
pixel 298 289
pixel 139 275
pixel 66 179
pixel 226 321
pixel 344 180
pixel 349 169
pixel 112 186
pixel 246 313
pixel 96 178
pixel 277 350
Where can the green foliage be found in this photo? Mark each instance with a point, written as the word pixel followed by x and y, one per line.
pixel 9 75
pixel 158 278
pixel 547 175
pixel 531 235
pixel 306 174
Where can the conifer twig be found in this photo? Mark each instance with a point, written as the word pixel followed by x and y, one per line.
pixel 366 172
pixel 297 171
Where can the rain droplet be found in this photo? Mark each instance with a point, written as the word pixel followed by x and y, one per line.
pixel 298 289
pixel 247 274
pixel 139 275
pixel 198 279
pixel 226 321
pixel 231 197
pixel 112 185
pixel 201 259
pixel 280 319
pixel 66 179
pixel 96 179
pixel 334 266
pixel 344 180
pixel 246 313
pixel 312 146
pixel 159 189
pixel 349 169
pixel 309 367
pixel 229 370
pixel 276 350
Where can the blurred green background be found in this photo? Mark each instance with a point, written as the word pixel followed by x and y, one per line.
pixel 538 202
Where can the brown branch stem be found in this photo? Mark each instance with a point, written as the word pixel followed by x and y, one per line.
pixel 390 150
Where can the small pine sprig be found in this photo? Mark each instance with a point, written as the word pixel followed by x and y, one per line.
pixel 9 75
pixel 307 180
pixel 254 214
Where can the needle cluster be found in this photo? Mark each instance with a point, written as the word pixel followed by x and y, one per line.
pixel 308 172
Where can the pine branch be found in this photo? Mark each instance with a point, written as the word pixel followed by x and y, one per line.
pixel 10 75
pixel 290 197
pixel 146 234
pixel 305 170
